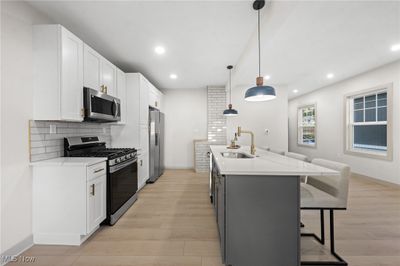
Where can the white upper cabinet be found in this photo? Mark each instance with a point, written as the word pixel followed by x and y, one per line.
pixel 144 101
pixel 109 77
pixel 58 74
pixel 121 94
pixel 92 77
pixel 155 97
pixel 127 135
pixel 99 73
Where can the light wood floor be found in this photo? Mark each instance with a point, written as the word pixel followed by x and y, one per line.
pixel 173 223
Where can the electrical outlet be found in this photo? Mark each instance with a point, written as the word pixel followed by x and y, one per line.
pixel 53 129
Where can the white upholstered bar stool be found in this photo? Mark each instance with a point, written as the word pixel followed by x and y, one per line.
pixel 326 193
pixel 280 152
pixel 297 156
pixel 300 157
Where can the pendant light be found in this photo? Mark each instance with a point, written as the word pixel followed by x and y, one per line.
pixel 230 111
pixel 260 92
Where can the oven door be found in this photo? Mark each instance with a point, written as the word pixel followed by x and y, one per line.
pixel 101 107
pixel 122 185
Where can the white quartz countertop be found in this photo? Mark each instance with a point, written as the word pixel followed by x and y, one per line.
pixel 70 161
pixel 264 163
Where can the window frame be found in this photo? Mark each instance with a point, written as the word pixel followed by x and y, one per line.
pixel 299 116
pixel 349 123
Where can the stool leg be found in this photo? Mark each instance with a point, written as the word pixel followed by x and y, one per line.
pixel 322 220
pixel 332 231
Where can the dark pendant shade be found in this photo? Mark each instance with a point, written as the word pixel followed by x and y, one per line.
pixel 230 111
pixel 260 93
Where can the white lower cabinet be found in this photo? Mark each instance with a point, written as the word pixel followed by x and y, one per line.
pixel 96 202
pixel 143 169
pixel 69 200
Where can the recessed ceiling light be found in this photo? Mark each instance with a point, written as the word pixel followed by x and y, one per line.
pixel 395 47
pixel 295 91
pixel 267 77
pixel 173 76
pixel 159 50
pixel 330 75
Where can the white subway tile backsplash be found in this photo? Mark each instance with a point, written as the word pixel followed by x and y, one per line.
pixel 46 146
pixel 55 148
pixel 38 150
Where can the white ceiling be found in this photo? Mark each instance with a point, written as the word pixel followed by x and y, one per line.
pixel 302 41
pixel 201 37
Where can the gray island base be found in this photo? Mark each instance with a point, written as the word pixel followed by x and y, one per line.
pixel 258 215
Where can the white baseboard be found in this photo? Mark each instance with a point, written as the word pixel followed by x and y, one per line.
pixel 375 180
pixel 61 239
pixel 179 168
pixel 17 249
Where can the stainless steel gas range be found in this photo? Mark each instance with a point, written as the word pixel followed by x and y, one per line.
pixel 122 172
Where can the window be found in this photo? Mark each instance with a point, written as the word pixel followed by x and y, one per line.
pixel 368 124
pixel 306 126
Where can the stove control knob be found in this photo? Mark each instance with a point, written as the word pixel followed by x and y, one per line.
pixel 118 160
pixel 128 156
pixel 123 158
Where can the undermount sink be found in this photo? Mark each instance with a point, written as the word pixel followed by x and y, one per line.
pixel 236 155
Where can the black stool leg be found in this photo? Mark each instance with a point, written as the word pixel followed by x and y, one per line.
pixel 322 221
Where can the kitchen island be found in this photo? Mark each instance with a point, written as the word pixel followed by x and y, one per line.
pixel 257 204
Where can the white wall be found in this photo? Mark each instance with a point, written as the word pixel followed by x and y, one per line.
pixel 330 124
pixel 16 110
pixel 185 121
pixel 258 116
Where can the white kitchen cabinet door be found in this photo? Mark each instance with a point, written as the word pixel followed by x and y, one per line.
pixel 143 171
pixel 159 100
pixel 152 97
pixel 121 94
pixel 96 202
pixel 92 76
pixel 57 74
pixel 144 101
pixel 144 138
pixel 109 77
pixel 71 76
pixel 155 97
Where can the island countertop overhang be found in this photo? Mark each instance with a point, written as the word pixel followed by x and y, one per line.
pixel 265 163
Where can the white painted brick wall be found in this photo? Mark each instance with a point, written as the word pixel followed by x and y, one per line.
pixel 46 146
pixel 216 122
pixel 201 159
pixel 216 127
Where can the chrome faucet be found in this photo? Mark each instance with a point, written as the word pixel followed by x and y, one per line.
pixel 252 147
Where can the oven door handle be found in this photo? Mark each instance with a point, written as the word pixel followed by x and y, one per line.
pixel 115 168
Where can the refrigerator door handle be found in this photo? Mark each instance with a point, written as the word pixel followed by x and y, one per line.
pixel 156 139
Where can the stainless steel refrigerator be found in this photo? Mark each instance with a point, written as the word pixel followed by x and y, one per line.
pixel 156 145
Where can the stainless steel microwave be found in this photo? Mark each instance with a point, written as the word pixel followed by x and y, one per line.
pixel 100 107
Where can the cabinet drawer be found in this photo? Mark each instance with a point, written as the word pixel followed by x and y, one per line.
pixel 96 170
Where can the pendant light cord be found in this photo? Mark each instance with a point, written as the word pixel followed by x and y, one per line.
pixel 259 46
pixel 230 86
